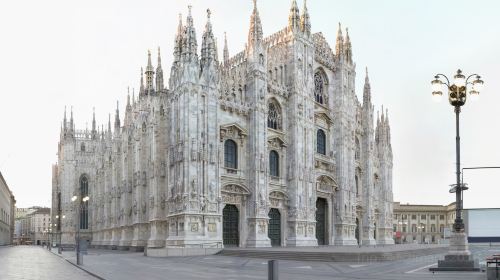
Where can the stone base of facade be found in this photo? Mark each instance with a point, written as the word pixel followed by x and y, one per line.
pixel 300 242
pixel 369 242
pixel 257 233
pixel 252 243
pixel 157 234
pixel 184 242
pixel 345 242
pixel 126 238
pixel 140 237
pixel 181 252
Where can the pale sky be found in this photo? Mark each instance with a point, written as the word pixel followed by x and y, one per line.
pixel 84 54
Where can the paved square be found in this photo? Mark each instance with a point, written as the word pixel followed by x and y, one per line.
pixel 125 265
pixel 34 262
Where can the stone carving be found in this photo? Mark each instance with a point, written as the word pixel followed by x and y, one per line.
pixel 194 227
pixel 151 202
pixel 135 207
pixel 162 201
pixel 212 227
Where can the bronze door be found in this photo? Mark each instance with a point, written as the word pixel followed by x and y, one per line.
pixel 274 229
pixel 321 221
pixel 230 224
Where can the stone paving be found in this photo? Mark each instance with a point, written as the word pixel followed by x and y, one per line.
pixel 125 265
pixel 32 262
pixel 35 262
pixel 345 249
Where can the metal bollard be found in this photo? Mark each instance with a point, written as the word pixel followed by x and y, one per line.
pixel 79 258
pixel 272 270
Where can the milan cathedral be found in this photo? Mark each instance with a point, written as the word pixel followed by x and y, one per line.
pixel 267 147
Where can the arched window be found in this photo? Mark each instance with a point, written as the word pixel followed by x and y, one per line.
pixel 319 88
pixel 321 142
pixel 82 147
pixel 274 164
pixel 84 213
pixel 357 153
pixel 230 154
pixel 274 115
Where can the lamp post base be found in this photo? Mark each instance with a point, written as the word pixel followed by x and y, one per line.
pixel 459 257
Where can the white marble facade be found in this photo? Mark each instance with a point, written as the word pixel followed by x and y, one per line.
pixel 275 131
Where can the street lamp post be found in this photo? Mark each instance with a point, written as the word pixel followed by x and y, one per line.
pixel 459 258
pixel 59 219
pixel 79 257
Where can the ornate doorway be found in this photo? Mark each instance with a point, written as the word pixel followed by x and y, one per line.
pixel 321 221
pixel 230 226
pixel 274 229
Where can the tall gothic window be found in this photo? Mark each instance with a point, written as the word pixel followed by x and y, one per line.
pixel 321 142
pixel 274 164
pixel 319 88
pixel 84 213
pixel 230 154
pixel 274 115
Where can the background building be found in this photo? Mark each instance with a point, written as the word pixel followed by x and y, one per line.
pixel 7 208
pixel 415 223
pixel 26 224
pixel 270 147
pixel 39 226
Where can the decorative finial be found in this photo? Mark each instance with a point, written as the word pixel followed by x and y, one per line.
pixel 189 10
pixel 208 13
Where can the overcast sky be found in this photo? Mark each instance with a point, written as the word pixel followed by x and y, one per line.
pixel 85 54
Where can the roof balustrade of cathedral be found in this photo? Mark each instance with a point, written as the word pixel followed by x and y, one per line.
pixel 277 38
pixel 82 134
pixel 236 60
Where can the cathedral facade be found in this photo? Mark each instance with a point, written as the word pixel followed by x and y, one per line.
pixel 268 147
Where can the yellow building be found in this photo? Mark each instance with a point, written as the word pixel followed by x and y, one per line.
pixel 415 223
pixel 7 206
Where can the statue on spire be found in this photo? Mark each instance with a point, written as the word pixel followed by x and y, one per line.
pixel 339 46
pixel 293 17
pixel 159 74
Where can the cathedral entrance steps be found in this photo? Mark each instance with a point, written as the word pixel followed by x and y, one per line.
pixel 338 253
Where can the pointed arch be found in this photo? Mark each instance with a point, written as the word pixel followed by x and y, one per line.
pixel 321 142
pixel 357 153
pixel 230 154
pixel 84 212
pixel 320 86
pixel 274 114
pixel 274 163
